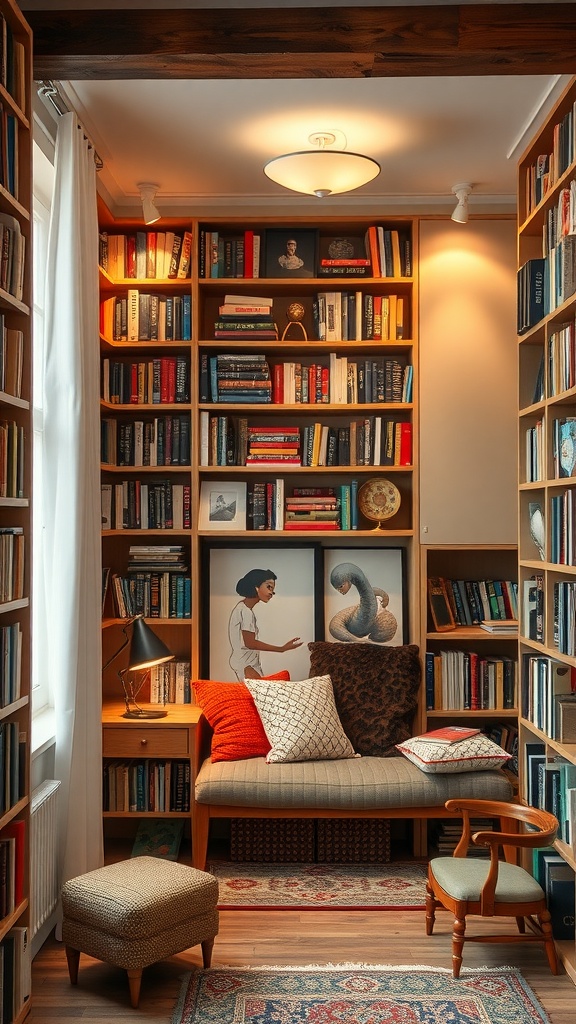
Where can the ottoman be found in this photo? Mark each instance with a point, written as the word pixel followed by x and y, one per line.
pixel 137 912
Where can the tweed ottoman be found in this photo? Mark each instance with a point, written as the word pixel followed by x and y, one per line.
pixel 137 912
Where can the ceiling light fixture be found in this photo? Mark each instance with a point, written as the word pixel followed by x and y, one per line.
pixel 147 195
pixel 322 171
pixel 461 192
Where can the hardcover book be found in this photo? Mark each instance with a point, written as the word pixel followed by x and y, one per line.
pixel 158 837
pixel 449 734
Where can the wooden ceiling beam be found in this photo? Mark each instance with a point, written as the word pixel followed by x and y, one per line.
pixel 357 42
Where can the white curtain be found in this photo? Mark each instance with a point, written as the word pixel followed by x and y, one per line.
pixel 71 548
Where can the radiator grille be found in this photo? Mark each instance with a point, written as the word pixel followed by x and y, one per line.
pixel 43 853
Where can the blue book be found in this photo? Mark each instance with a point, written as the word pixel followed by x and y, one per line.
pixel 186 318
pixel 353 504
pixel 429 680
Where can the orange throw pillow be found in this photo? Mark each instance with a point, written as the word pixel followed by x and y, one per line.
pixel 229 708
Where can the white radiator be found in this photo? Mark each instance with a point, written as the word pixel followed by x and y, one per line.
pixel 43 853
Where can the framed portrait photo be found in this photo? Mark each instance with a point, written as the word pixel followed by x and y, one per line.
pixel 285 580
pixel 222 505
pixel 290 253
pixel 365 599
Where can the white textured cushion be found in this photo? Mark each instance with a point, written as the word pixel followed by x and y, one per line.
pixel 300 720
pixel 470 755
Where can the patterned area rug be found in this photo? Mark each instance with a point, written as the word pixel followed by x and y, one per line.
pixel 321 886
pixel 356 994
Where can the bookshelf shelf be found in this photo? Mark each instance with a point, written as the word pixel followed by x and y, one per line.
pixel 548 397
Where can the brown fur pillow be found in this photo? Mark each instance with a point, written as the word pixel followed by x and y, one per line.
pixel 376 691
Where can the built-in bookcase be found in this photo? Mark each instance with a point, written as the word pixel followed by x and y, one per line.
pixel 547 478
pixel 15 509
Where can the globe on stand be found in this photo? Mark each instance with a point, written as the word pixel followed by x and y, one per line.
pixel 379 500
pixel 295 315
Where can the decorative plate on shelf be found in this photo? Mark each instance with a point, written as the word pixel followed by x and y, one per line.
pixel 378 500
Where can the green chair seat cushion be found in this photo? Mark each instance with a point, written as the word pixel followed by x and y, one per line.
pixel 463 878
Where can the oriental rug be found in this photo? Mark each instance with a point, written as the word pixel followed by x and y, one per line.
pixel 356 994
pixel 400 886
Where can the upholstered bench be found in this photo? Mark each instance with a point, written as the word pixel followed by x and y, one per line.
pixel 137 912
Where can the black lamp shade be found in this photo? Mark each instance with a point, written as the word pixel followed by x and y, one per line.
pixel 146 649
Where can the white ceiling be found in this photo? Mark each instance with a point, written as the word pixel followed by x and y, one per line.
pixel 205 142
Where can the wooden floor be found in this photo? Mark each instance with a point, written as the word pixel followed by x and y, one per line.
pixel 283 937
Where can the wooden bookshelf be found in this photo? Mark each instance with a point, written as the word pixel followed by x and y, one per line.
pixel 15 505
pixel 546 350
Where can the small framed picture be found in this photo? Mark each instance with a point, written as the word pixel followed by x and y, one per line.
pixel 291 253
pixel 365 597
pixel 271 589
pixel 222 505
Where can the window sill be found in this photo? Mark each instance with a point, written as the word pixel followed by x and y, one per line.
pixel 43 731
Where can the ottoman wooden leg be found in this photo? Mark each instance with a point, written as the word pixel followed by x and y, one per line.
pixel 207 947
pixel 73 958
pixel 134 979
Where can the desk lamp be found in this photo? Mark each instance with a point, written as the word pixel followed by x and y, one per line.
pixel 146 650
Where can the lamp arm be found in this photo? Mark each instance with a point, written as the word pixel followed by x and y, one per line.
pixel 123 645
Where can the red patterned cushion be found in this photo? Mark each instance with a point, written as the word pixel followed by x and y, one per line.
pixel 230 710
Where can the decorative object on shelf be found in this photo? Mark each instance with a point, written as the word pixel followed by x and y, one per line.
pixel 440 609
pixel 537 528
pixel 378 500
pixel 322 171
pixel 146 650
pixel 461 191
pixel 295 315
pixel 222 505
pixel 291 252
pixel 377 576
pixel 148 192
pixel 270 590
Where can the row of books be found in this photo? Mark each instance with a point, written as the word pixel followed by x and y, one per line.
pixel 227 255
pixel 12 866
pixel 12 462
pixel 338 380
pixel 506 736
pixel 146 254
pixel 564 603
pixel 563 447
pixel 147 785
pixel 138 505
pixel 141 316
pixel 9 156
pixel 12 555
pixel 371 441
pixel 12 252
pixel 164 381
pixel 15 973
pixel 10 663
pixel 551 784
pixel 535 452
pixel 545 682
pixel 563 527
pixel 475 601
pixel 157 595
pixel 12 765
pixel 357 316
pixel 162 441
pixel 448 833
pixel 557 879
pixel 12 63
pixel 268 507
pixel 549 167
pixel 390 251
pixel 11 359
pixel 561 357
pixel 465 680
pixel 171 683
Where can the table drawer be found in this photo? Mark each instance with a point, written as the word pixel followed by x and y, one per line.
pixel 122 742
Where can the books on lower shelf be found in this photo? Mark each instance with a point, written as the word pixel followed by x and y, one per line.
pixel 158 837
pixel 544 681
pixel 557 879
pixel 147 785
pixel 141 505
pixel 502 626
pixel 170 683
pixel 475 601
pixel 458 680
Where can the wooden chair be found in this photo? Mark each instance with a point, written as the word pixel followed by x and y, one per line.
pixel 495 888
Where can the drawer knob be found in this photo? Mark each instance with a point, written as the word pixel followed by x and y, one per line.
pixel 143 743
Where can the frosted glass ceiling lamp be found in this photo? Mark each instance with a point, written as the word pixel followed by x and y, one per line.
pixel 322 171
pixel 462 191
pixel 147 195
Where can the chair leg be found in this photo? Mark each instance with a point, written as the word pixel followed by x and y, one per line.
pixel 73 958
pixel 134 980
pixel 520 921
pixel 207 947
pixel 430 910
pixel 457 945
pixel 544 919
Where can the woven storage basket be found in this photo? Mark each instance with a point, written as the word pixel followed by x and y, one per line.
pixel 353 840
pixel 265 840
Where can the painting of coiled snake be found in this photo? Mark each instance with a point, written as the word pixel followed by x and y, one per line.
pixel 375 604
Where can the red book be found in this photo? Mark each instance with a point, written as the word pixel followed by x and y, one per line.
pixel 311 526
pixel 130 268
pixel 325 384
pixel 449 734
pixel 312 384
pixel 150 254
pixel 134 383
pixel 374 251
pixel 187 506
pixel 248 254
pixel 405 444
pixel 278 384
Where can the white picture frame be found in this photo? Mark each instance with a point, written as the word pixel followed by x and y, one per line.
pixel 222 505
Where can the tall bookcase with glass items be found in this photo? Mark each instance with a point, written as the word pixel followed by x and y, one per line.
pixel 147 494
pixel 547 475
pixel 307 381
pixel 15 511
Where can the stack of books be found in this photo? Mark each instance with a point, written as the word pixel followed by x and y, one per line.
pixel 240 378
pixel 245 316
pixel 312 512
pixel 274 446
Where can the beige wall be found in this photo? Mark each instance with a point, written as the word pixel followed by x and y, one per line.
pixel 468 390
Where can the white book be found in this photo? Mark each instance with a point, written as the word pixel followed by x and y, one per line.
pixel 359 307
pixel 323 445
pixel 376 455
pixel 22 967
pixel 204 438
pixel 248 300
pixel 279 504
